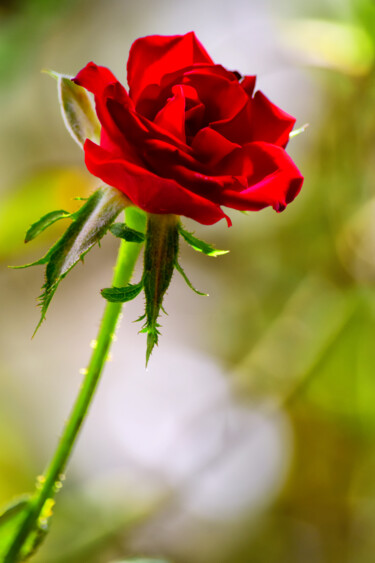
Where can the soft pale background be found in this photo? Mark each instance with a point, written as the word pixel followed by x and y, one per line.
pixel 250 437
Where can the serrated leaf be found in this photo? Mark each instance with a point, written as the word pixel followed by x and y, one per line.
pixel 200 245
pixel 77 110
pixel 122 294
pixel 126 233
pixel 89 225
pixel 180 269
pixel 45 222
pixel 39 262
pixel 39 194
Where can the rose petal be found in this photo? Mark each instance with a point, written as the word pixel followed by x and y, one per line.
pixel 258 120
pixel 222 98
pixel 152 98
pixel 232 154
pixel 94 78
pixel 152 57
pixel 103 84
pixel 147 190
pixel 210 147
pixel 172 116
pixel 163 156
pixel 269 123
pixel 136 129
pixel 187 172
pixel 248 84
pixel 273 178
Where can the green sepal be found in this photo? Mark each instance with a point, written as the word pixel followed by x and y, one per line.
pixel 141 318
pixel 152 339
pixel 121 230
pixel 122 294
pixel 89 225
pixel 180 269
pixel 200 245
pixel 160 255
pixel 77 110
pixel 45 222
pixel 296 132
pixel 148 330
pixel 39 262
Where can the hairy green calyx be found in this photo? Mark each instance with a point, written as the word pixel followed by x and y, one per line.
pixel 159 262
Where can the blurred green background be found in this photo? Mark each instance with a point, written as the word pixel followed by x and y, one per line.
pixel 251 436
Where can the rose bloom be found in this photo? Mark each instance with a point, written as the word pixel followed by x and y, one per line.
pixel 190 136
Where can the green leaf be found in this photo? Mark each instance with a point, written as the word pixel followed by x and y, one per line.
pixel 123 231
pixel 122 294
pixel 39 262
pixel 11 517
pixel 45 221
pixel 200 245
pixel 183 274
pixel 12 509
pixel 89 225
pixel 39 194
pixel 77 110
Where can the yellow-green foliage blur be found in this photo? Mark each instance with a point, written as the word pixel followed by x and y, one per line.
pixel 251 437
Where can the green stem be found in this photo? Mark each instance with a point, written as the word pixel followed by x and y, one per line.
pixel 126 260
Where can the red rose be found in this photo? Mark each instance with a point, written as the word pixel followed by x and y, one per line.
pixel 189 137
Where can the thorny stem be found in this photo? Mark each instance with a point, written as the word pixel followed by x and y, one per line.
pixel 123 271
